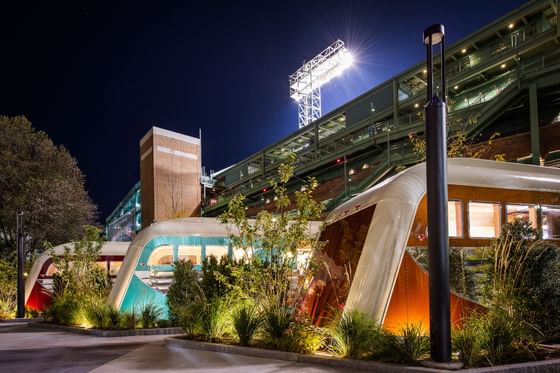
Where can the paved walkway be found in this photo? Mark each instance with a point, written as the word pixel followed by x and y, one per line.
pixel 24 349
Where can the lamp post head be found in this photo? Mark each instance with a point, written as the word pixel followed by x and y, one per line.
pixel 437 32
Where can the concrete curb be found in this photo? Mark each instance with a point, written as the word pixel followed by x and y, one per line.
pixel 107 333
pixel 21 321
pixel 547 366
pixel 352 365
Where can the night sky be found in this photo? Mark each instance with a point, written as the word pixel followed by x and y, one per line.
pixel 97 75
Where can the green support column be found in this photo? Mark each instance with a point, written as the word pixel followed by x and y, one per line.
pixel 395 103
pixel 534 115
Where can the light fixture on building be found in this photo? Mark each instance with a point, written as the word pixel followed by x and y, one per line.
pixel 503 66
pixel 306 82
pixel 416 105
pixel 510 26
pixel 456 87
pixel 464 50
pixel 424 71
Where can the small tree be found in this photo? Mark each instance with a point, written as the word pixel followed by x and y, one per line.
pixel 79 275
pixel 272 239
pixel 42 180
pixel 182 290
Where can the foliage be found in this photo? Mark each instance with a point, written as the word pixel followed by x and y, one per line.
pixel 189 319
pixel 149 314
pixel 306 338
pixel 246 321
pixel 274 233
pixel 461 279
pixel 267 274
pixel 129 320
pixel 79 284
pixel 523 278
pixel 412 344
pixel 64 310
pixel 215 318
pixel 277 318
pixel 8 289
pixel 459 145
pixel 78 274
pixel 468 341
pixel 354 335
pixel 182 288
pixel 44 182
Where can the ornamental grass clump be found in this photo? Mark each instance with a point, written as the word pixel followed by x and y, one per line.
pixel 149 314
pixel 411 344
pixel 354 335
pixel 246 322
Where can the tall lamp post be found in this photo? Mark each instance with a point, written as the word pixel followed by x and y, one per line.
pixel 21 266
pixel 436 180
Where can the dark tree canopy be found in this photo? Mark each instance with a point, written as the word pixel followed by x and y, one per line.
pixel 43 181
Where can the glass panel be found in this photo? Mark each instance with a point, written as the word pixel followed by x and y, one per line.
pixel 114 267
pixel 455 218
pixel 102 265
pixel 484 219
pixel 191 252
pixel 551 222
pixel 526 212
pixel 217 250
pixel 161 255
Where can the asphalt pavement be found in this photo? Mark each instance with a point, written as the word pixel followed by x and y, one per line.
pixel 25 349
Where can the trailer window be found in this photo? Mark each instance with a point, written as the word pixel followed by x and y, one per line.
pixel 550 222
pixel 484 219
pixel 191 252
pixel 161 255
pixel 455 218
pixel 525 212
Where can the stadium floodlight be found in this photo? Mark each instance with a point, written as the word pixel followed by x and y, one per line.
pixel 306 82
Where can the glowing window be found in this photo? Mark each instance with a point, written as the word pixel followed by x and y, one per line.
pixel 526 212
pixel 102 265
pixel 51 270
pixel 239 254
pixel 161 255
pixel 191 252
pixel 114 267
pixel 455 218
pixel 217 250
pixel 484 219
pixel 551 222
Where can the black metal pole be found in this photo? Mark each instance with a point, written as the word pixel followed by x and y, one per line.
pixel 21 267
pixel 436 180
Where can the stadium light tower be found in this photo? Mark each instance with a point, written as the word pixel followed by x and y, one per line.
pixel 306 82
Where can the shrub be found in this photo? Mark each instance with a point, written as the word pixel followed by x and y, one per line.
pixel 129 320
pixel 246 321
pixel 189 319
pixel 276 321
pixel 499 333
pixel 63 310
pixel 411 344
pixel 8 289
pixel 468 341
pixel 149 315
pixel 306 338
pixel 523 278
pixel 112 318
pixel 182 288
pixel 354 335
pixel 96 315
pixel 215 318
